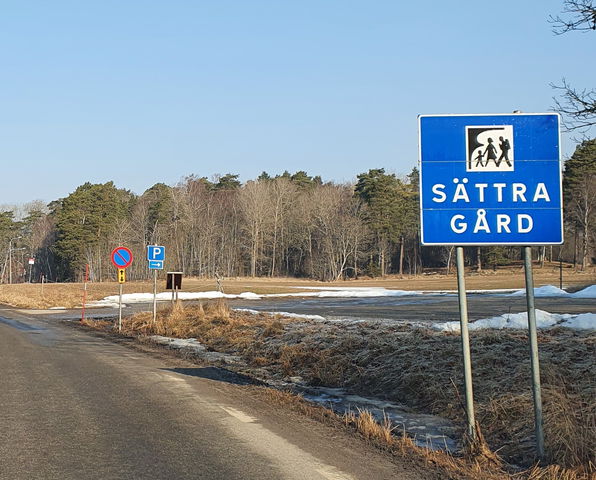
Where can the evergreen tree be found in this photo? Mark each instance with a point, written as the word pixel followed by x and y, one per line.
pixel 228 182
pixel 84 223
pixel 380 193
pixel 579 191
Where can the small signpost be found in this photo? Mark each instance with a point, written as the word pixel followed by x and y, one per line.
pixel 156 255
pixel 492 180
pixel 121 258
pixel 174 283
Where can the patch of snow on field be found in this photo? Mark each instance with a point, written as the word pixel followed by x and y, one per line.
pixel 589 292
pixel 545 291
pixel 552 291
pixel 194 346
pixel 584 321
pixel 112 300
pixel 191 343
pixel 283 314
pixel 342 292
pixel 333 292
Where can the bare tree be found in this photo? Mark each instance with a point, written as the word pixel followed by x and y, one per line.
pixel 256 211
pixel 577 105
pixel 577 15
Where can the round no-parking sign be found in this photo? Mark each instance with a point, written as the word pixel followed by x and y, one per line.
pixel 121 257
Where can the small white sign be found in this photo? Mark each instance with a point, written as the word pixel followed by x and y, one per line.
pixel 31 261
pixel 489 148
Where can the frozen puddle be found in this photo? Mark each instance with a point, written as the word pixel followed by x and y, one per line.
pixel 196 347
pixel 428 431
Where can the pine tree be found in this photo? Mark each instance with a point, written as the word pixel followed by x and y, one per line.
pixel 84 223
pixel 579 191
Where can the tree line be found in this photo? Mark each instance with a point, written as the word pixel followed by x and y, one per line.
pixel 285 225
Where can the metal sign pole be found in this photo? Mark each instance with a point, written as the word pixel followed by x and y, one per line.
pixel 465 342
pixel 85 292
pixel 534 353
pixel 154 296
pixel 120 309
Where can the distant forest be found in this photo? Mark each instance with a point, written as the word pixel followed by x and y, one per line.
pixel 291 224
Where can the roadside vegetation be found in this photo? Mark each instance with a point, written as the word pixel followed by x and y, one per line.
pixel 422 369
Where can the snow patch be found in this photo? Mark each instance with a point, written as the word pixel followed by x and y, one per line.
pixel 334 292
pixel 283 314
pixel 584 321
pixel 545 291
pixel 588 292
pixel 552 291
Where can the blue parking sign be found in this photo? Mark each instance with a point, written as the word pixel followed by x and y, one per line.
pixel 490 179
pixel 156 252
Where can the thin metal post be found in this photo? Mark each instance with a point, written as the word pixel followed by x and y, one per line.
pixel 534 353
pixel 465 342
pixel 85 292
pixel 560 272
pixel 120 309
pixel 10 262
pixel 154 296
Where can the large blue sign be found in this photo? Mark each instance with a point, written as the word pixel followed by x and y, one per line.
pixel 490 179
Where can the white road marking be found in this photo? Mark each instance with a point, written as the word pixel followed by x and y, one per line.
pixel 332 473
pixel 243 417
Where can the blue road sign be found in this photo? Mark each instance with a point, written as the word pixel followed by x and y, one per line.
pixel 156 264
pixel 156 252
pixel 490 179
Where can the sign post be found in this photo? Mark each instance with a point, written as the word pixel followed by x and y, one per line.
pixel 492 180
pixel 31 263
pixel 156 255
pixel 534 363
pixel 85 292
pixel 121 259
pixel 465 342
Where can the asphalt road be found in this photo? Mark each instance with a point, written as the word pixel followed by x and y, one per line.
pixel 75 406
pixel 419 308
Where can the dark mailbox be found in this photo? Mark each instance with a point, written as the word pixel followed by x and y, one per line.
pixel 174 281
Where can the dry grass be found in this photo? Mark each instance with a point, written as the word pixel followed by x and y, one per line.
pixel 213 323
pixel 479 462
pixel 417 368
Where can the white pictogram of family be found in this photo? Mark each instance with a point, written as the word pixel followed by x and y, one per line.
pixel 491 153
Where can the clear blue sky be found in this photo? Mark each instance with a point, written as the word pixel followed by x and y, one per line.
pixel 141 92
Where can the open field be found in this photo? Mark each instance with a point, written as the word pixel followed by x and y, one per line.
pixel 69 295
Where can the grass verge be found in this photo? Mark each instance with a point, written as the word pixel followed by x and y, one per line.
pixel 419 368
